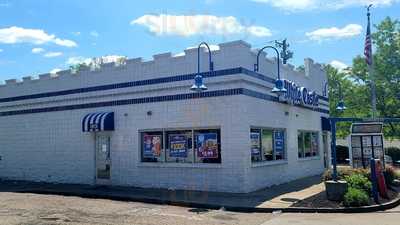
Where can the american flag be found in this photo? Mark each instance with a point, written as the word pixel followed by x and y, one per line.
pixel 368 46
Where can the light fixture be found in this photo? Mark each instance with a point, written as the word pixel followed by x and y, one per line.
pixel 340 106
pixel 198 85
pixel 279 88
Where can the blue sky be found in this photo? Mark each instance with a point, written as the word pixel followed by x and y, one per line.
pixel 43 35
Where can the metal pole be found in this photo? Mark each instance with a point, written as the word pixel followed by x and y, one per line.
pixel 209 57
pixel 371 70
pixel 256 66
pixel 333 148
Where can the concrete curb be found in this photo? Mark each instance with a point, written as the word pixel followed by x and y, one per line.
pixel 364 209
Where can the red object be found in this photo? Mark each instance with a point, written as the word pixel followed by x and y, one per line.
pixel 381 179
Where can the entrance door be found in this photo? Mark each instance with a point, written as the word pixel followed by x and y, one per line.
pixel 103 159
pixel 325 147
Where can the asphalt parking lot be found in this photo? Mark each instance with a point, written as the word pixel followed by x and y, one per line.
pixel 21 208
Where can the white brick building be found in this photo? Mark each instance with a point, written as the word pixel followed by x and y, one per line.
pixel 154 132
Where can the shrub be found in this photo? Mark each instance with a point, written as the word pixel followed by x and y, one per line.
pixel 345 171
pixel 390 175
pixel 393 152
pixel 358 181
pixel 355 197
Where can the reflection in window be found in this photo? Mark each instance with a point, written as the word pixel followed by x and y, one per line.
pixel 267 144
pixel 307 143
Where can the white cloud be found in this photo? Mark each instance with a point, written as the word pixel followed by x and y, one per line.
pixel 348 31
pixel 76 33
pixel 37 50
pixel 52 54
pixel 1 50
pixel 338 65
pixel 188 25
pixel 301 5
pixel 94 33
pixel 13 35
pixel 55 70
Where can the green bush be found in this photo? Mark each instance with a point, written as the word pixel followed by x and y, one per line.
pixel 343 172
pixel 355 197
pixel 389 174
pixel 393 152
pixel 359 181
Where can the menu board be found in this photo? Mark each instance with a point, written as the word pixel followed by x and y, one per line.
pixel 377 140
pixel 366 141
pixel 151 146
pixel 178 146
pixel 364 147
pixel 207 145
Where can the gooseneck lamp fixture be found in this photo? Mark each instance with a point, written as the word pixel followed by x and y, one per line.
pixel 198 85
pixel 340 106
pixel 279 88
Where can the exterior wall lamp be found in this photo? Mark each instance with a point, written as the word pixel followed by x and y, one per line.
pixel 198 85
pixel 279 88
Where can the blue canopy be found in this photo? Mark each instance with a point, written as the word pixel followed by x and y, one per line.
pixel 100 121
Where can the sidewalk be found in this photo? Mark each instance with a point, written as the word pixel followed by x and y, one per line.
pixel 280 196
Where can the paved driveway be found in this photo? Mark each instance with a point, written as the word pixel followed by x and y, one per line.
pixel 21 208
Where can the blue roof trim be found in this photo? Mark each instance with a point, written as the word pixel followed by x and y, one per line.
pixel 161 80
pixel 207 94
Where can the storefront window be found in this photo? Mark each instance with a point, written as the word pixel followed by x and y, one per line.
pixel 207 146
pixel 267 144
pixel 307 143
pixel 181 146
pixel 152 146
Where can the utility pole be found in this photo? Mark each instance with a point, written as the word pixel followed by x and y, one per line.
pixel 285 53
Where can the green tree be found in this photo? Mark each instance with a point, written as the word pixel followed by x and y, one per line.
pixel 356 81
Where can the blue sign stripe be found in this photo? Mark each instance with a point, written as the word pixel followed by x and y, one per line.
pixel 161 80
pixel 217 93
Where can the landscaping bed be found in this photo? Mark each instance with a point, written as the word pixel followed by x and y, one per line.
pixel 358 192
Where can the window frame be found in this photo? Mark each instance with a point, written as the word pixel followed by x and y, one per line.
pixel 253 129
pixel 303 149
pixel 165 145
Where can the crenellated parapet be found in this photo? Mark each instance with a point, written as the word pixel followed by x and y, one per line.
pixel 228 55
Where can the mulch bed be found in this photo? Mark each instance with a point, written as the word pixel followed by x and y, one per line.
pixel 320 201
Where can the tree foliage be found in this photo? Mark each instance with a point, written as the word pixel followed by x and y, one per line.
pixel 356 81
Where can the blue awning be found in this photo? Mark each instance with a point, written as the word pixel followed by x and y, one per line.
pixel 100 121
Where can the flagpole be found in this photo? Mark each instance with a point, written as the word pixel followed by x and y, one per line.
pixel 371 69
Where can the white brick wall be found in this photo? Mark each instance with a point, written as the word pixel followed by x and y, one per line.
pixel 51 146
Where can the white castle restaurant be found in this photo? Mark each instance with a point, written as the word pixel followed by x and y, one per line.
pixel 138 123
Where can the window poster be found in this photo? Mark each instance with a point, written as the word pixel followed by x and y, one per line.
pixel 207 145
pixel 151 146
pixel 178 146
pixel 255 143
pixel 279 143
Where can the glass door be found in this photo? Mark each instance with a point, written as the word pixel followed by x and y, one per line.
pixel 103 158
